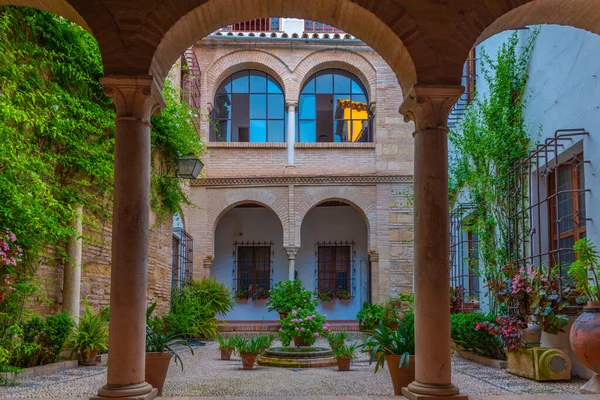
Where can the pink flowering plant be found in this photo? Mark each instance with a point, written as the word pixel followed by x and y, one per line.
pixel 306 323
pixel 10 255
pixel 509 330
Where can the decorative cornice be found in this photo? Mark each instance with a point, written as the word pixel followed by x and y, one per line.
pixel 428 106
pixel 303 180
pixel 135 97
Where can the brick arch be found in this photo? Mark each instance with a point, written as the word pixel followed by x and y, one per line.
pixel 248 59
pixel 341 59
pixel 58 7
pixel 362 199
pixel 223 201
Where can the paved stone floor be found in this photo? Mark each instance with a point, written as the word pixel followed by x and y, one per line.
pixel 205 375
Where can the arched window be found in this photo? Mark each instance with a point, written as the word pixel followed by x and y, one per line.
pixel 249 107
pixel 334 107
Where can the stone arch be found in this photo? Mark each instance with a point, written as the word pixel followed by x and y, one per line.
pixel 362 198
pixel 368 24
pixel 224 200
pixel 248 59
pixel 340 59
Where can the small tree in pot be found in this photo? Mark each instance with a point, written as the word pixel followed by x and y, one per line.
pixel 160 349
pixel 290 295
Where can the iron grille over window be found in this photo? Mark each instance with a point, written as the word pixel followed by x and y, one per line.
pixel 253 267
pixel 183 256
pixel 318 27
pixel 548 198
pixel 469 80
pixel 335 269
pixel 464 254
pixel 255 25
pixel 190 84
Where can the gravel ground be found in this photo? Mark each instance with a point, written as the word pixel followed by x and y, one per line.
pixel 205 375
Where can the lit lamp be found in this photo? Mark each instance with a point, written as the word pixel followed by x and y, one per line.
pixel 189 167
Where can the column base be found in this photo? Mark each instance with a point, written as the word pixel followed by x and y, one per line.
pixel 138 391
pixel 426 391
pixel 592 386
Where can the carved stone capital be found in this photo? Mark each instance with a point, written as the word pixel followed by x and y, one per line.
pixel 373 256
pixel 429 106
pixel 291 252
pixel 291 104
pixel 136 97
pixel 207 262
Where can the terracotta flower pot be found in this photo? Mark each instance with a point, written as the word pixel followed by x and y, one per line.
pixel 283 315
pixel 300 341
pixel 88 359
pixel 344 363
pixel 157 366
pixel 401 375
pixel 585 342
pixel 248 360
pixel 226 354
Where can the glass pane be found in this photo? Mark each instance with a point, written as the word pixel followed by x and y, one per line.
pixel 360 130
pixel 357 87
pixel 341 83
pixel 565 200
pixel 581 178
pixel 223 106
pixel 276 131
pixel 359 107
pixel 225 86
pixel 307 131
pixel 258 106
pixel 276 106
pixel 273 86
pixel 258 130
pixel 240 82
pixel 221 131
pixel 342 106
pixel 258 82
pixel 306 108
pixel 324 83
pixel 309 87
pixel 567 255
pixel 342 131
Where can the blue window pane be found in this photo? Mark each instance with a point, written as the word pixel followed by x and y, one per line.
pixel 341 83
pixel 306 107
pixel 307 131
pixel 222 131
pixel 222 106
pixel 258 106
pixel 258 130
pixel 240 82
pixel 357 88
pixel 276 106
pixel 276 131
pixel 273 86
pixel 342 131
pixel 309 87
pixel 258 82
pixel 225 86
pixel 324 83
pixel 341 104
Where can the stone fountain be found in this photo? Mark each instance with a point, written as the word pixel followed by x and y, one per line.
pixel 297 357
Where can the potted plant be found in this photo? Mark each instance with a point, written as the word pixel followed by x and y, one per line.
pixel 90 336
pixel 398 349
pixel 226 346
pixel 369 316
pixel 344 354
pixel 585 332
pixel 290 295
pixel 326 295
pixel 160 348
pixel 249 349
pixel 304 326
pixel 243 294
pixel 336 340
pixel 260 294
pixel 342 294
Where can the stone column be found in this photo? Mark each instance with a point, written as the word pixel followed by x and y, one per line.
pixel 291 253
pixel 291 131
pixel 71 297
pixel 136 98
pixel 374 289
pixel 428 107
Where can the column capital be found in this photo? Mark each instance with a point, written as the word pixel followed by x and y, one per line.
pixel 291 251
pixel 135 97
pixel 292 104
pixel 374 256
pixel 429 106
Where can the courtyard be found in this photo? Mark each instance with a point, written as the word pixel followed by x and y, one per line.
pixel 205 375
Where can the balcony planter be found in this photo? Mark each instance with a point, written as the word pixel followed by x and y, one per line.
pixel 157 366
pixel 401 374
pixel 585 342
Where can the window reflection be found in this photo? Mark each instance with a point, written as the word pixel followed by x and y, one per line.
pixel 333 107
pixel 249 107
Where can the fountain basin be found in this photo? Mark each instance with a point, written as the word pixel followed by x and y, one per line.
pixel 297 357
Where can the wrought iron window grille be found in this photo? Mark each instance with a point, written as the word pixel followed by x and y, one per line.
pixel 252 271
pixel 183 260
pixel 464 257
pixel 335 270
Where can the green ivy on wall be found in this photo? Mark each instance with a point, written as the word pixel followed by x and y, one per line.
pixel 490 139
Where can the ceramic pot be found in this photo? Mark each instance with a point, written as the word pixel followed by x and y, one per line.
pixel 88 359
pixel 248 360
pixel 344 363
pixel 157 366
pixel 401 375
pixel 585 342
pixel 532 335
pixel 300 341
pixel 226 354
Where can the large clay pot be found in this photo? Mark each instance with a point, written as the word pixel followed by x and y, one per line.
pixel 300 341
pixel 88 359
pixel 157 366
pixel 248 360
pixel 226 354
pixel 401 375
pixel 532 335
pixel 585 342
pixel 344 363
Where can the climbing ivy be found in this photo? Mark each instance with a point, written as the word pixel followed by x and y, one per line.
pixel 489 140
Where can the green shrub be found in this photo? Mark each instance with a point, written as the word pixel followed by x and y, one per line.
pixel 214 294
pixel 255 345
pixel 59 328
pixel 369 316
pixel 290 295
pixel 91 332
pixel 336 340
pixel 463 333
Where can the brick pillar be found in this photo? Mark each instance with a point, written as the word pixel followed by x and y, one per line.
pixel 428 107
pixel 136 98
